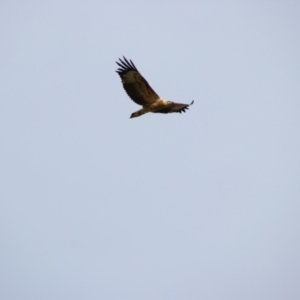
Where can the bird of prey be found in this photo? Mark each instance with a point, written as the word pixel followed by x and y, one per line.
pixel 141 92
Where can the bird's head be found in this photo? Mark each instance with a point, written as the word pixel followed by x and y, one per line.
pixel 166 102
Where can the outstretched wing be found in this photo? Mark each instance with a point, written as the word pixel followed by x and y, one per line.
pixel 174 107
pixel 135 84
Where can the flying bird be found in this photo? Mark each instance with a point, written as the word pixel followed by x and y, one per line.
pixel 141 92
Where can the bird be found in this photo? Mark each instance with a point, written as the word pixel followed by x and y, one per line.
pixel 138 89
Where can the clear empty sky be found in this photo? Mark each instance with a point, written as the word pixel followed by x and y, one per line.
pixel 201 205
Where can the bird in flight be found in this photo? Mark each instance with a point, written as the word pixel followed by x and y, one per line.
pixel 141 92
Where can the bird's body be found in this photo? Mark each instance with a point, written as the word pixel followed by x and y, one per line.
pixel 141 92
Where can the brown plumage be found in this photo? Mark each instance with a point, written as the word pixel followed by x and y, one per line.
pixel 141 92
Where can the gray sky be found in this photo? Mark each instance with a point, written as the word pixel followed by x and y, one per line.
pixel 202 205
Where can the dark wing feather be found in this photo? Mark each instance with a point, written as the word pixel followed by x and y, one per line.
pixel 174 107
pixel 135 84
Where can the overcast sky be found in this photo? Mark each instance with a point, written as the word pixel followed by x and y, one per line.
pixel 201 205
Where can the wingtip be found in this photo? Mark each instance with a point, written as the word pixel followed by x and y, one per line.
pixel 125 65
